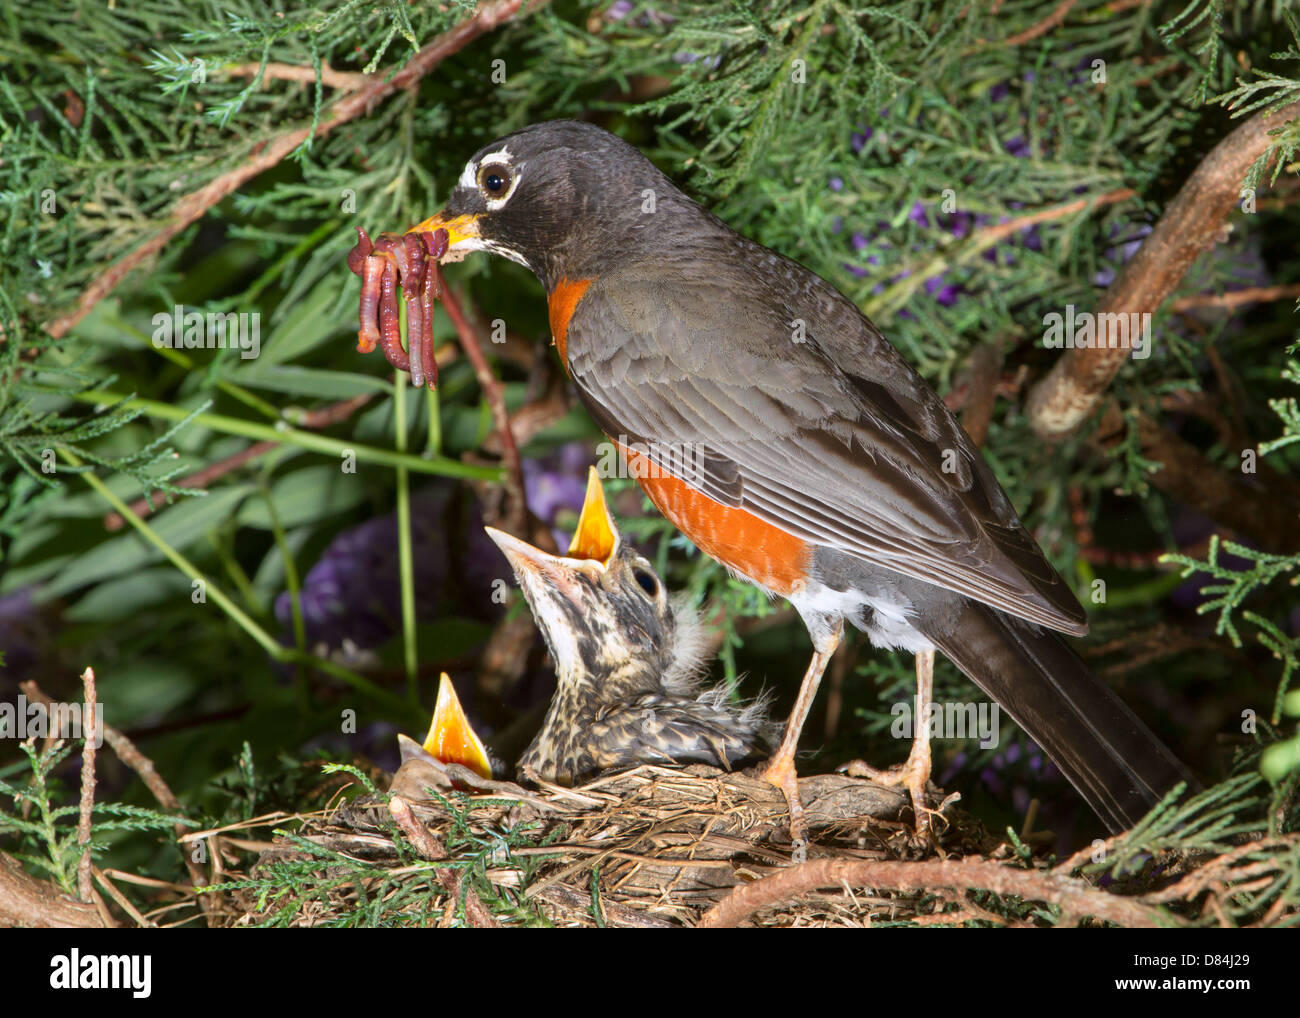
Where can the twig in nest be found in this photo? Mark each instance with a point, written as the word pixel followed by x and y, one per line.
pixel 130 755
pixel 89 744
pixel 1074 896
pixel 476 913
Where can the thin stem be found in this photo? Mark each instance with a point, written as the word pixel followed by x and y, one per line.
pixel 237 575
pixel 287 435
pixel 433 406
pixel 405 559
pixel 259 635
pixel 294 588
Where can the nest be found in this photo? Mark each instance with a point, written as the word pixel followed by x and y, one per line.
pixel 649 847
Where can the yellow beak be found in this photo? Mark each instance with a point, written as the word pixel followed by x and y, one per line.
pixel 596 536
pixel 593 546
pixel 459 229
pixel 451 738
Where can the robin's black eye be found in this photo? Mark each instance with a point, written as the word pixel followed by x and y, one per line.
pixel 494 180
pixel 647 581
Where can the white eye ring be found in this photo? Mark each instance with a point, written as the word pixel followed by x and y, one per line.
pixel 496 182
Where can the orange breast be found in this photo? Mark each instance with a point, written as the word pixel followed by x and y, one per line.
pixel 737 538
pixel 560 305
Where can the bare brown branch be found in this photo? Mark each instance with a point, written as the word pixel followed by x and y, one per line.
pixel 1191 225
pixel 516 519
pixel 26 901
pixel 1057 17
pixel 89 744
pixel 1076 897
pixel 344 81
pixel 264 155
pixel 476 913
pixel 1236 298
pixel 1261 506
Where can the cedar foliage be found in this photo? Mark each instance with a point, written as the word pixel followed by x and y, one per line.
pixel 831 131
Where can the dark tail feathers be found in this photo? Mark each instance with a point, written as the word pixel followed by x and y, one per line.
pixel 1108 755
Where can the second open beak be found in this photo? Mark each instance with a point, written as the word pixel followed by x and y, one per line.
pixel 451 737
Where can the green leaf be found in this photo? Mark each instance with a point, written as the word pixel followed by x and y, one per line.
pixel 304 496
pixel 306 327
pixel 122 597
pixel 180 526
pixel 314 382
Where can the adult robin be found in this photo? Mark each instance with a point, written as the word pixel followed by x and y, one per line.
pixel 777 428
pixel 627 662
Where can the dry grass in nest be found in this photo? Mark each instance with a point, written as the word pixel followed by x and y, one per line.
pixel 650 847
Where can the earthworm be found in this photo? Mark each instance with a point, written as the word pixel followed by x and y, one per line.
pixel 410 261
pixel 390 322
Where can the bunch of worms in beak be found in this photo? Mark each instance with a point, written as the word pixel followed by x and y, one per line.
pixel 408 260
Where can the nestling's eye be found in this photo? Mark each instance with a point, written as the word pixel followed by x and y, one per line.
pixel 647 581
pixel 494 180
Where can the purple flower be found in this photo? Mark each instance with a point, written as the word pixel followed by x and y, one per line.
pixel 352 594
pixel 1120 253
pixel 557 482
pixel 1017 147
pixel 959 223
pixel 942 291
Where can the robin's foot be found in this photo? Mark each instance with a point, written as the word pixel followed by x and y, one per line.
pixel 780 772
pixel 914 775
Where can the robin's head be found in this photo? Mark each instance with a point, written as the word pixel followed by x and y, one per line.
pixel 604 612
pixel 561 198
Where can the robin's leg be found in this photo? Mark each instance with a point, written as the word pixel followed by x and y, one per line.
pixel 915 773
pixel 780 769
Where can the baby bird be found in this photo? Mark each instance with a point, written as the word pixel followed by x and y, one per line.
pixel 451 738
pixel 628 661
